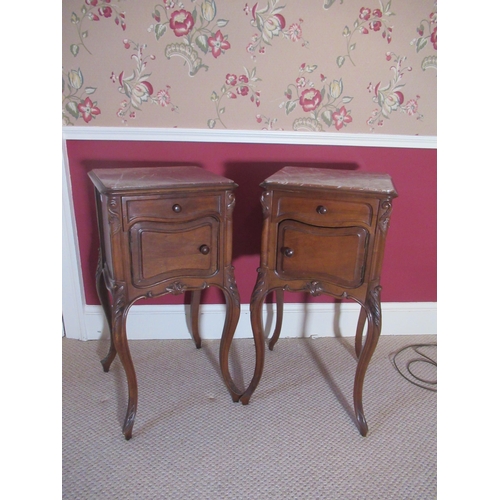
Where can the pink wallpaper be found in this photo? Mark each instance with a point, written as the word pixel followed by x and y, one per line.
pixel 355 66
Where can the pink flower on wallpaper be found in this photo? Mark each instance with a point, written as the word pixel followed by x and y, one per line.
pixel 105 11
pixel 411 107
pixel 218 44
pixel 231 79
pixel 163 97
pixel 88 110
pixel 375 25
pixel 181 22
pixel 434 38
pixel 295 32
pixel 310 99
pixel 91 2
pixel 341 118
pixel 377 13
pixel 364 13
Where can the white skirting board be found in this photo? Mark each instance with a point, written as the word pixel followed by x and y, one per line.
pixel 299 320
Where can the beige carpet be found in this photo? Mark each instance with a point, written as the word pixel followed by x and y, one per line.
pixel 295 440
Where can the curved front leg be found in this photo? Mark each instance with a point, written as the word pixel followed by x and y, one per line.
pixel 195 316
pixel 279 318
pixel 257 301
pixel 102 293
pixel 119 333
pixel 232 317
pixel 373 314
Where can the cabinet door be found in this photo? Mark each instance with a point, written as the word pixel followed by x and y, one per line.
pixel 337 255
pixel 159 251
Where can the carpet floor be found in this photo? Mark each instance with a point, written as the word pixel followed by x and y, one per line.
pixel 297 439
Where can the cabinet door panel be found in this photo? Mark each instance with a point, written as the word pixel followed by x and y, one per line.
pixel 161 251
pixel 337 255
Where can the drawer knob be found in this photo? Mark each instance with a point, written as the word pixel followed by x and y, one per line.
pixel 288 251
pixel 321 209
pixel 177 208
pixel 205 249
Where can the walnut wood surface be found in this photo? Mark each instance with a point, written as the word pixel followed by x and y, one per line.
pixel 163 230
pixel 324 232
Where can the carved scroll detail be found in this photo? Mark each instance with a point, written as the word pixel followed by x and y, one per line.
pixel 373 304
pixel 314 288
pixel 231 284
pixel 230 201
pixel 260 283
pixel 266 201
pixel 386 215
pixel 118 291
pixel 114 215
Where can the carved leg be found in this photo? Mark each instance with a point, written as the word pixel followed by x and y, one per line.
pixel 119 334
pixel 103 295
pixel 279 318
pixel 195 316
pixel 359 331
pixel 232 316
pixel 257 301
pixel 373 314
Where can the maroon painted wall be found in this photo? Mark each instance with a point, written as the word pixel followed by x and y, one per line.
pixel 409 271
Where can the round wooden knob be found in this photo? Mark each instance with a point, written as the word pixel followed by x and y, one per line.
pixel 177 208
pixel 321 210
pixel 205 249
pixel 288 251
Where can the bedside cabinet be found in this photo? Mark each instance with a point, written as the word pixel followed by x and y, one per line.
pixel 324 232
pixel 163 230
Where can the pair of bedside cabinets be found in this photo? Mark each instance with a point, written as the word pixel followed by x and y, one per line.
pixel 168 230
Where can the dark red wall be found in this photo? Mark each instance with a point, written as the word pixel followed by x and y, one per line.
pixel 409 272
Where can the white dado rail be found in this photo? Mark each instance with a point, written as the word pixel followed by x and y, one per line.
pixel 86 322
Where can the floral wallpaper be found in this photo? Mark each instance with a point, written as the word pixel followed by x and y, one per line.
pixel 356 66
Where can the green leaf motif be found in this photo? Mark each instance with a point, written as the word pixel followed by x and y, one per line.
pixel 211 123
pixel 346 99
pixel 160 30
pixel 90 90
pixel 326 116
pixel 340 61
pixel 72 109
pixel 74 18
pixel 290 106
pixel 74 49
pixel 421 43
pixel 202 43
pixel 222 22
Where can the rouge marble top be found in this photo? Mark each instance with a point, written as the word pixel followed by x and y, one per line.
pixel 345 180
pixel 132 179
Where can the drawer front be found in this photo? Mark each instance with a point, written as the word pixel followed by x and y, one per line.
pixel 337 255
pixel 161 251
pixel 324 211
pixel 171 208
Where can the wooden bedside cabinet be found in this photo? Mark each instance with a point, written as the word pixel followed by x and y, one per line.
pixel 324 233
pixel 163 230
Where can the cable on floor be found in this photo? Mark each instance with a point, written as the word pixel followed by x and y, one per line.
pixel 412 363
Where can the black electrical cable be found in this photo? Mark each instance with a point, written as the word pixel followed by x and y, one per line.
pixel 423 359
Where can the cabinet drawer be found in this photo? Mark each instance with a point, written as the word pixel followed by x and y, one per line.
pixel 324 211
pixel 337 255
pixel 160 251
pixel 169 208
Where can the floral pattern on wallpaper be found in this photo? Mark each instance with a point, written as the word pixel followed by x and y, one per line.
pixel 325 65
pixel 136 87
pixel 199 32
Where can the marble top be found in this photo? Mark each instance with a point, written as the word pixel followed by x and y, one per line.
pixel 346 180
pixel 126 179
